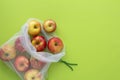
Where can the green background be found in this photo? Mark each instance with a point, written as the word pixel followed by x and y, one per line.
pixel 90 30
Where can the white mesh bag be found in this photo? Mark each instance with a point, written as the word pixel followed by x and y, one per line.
pixel 21 56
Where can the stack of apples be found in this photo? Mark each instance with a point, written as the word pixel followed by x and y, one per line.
pixel 28 65
pixel 54 44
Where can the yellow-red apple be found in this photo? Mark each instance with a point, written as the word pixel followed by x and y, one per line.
pixel 49 26
pixel 34 27
pixel 7 52
pixel 36 63
pixel 39 43
pixel 21 63
pixel 32 74
pixel 18 45
pixel 55 45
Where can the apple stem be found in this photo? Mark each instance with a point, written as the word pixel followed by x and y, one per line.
pixel 68 64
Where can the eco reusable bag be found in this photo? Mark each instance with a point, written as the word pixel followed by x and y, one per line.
pixel 19 46
pixel 23 58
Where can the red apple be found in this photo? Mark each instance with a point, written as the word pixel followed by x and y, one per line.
pixel 34 27
pixel 18 45
pixel 7 52
pixel 32 74
pixel 36 63
pixel 49 26
pixel 55 45
pixel 39 43
pixel 21 63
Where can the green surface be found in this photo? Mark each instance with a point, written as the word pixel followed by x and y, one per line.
pixel 90 30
